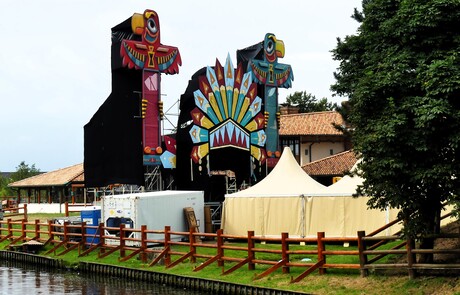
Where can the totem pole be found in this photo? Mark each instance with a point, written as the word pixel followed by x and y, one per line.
pixel 270 74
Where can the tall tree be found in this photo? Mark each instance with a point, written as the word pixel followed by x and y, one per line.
pixel 24 171
pixel 307 103
pixel 401 72
pixel 4 189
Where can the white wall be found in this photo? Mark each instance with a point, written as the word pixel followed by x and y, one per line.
pixel 50 208
pixel 319 150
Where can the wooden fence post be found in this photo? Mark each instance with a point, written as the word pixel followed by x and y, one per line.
pixel 142 255
pixel 362 256
pixel 122 240
pixel 321 257
pixel 66 231
pixel 167 240
pixel 37 230
pixel 101 238
pixel 220 250
pixel 251 254
pixel 50 230
pixel 66 208
pixel 23 230
pixel 284 251
pixel 25 212
pixel 192 248
pixel 9 226
pixel 83 236
pixel 411 258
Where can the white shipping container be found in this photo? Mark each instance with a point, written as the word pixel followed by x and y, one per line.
pixel 153 209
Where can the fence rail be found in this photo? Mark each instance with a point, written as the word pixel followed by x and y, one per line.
pixel 11 210
pixel 74 207
pixel 370 252
pixel 173 247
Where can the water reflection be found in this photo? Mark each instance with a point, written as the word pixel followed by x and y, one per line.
pixel 19 278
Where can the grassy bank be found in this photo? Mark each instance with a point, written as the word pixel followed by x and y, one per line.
pixel 334 282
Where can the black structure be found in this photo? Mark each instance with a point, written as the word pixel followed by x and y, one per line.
pixel 113 136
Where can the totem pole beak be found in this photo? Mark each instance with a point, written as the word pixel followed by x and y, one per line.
pixel 137 23
pixel 279 48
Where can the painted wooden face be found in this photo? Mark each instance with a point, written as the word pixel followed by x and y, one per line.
pixel 152 27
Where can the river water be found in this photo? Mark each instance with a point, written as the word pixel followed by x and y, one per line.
pixel 19 278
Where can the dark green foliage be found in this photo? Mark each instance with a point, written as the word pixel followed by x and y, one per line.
pixel 22 171
pixel 401 73
pixel 307 103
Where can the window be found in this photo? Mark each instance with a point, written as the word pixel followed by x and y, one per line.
pixel 294 144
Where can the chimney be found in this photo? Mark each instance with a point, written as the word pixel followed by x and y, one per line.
pixel 288 110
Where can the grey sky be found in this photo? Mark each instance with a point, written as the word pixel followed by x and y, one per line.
pixel 55 60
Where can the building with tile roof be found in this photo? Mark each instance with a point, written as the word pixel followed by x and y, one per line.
pixel 59 186
pixel 312 136
pixel 330 169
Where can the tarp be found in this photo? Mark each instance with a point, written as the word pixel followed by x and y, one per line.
pixel 288 200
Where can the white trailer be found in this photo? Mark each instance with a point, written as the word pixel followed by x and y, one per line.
pixel 153 209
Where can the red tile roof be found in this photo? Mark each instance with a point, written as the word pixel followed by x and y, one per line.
pixel 319 123
pixel 334 165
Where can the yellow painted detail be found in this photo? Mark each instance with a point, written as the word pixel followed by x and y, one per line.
pixel 137 23
pixel 223 94
pixel 236 93
pixel 244 108
pixel 215 107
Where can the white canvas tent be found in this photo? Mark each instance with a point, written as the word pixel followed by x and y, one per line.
pixel 335 211
pixel 272 206
pixel 289 200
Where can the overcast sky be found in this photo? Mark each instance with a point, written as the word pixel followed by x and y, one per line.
pixel 55 60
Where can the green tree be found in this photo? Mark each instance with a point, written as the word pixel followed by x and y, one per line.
pixel 401 72
pixel 307 103
pixel 23 171
pixel 4 189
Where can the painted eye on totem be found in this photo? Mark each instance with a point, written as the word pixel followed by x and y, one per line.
pixel 152 26
pixel 270 46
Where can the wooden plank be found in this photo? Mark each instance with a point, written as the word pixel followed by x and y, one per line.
pixel 158 258
pixel 311 269
pixel 271 269
pixel 235 267
pixel 207 262
pixel 180 260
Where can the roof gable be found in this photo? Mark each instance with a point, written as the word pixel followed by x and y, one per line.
pixel 59 177
pixel 337 164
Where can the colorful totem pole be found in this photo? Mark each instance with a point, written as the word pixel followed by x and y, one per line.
pixel 153 58
pixel 123 138
pixel 270 75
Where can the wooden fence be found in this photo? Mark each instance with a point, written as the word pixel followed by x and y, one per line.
pixel 74 207
pixel 14 211
pixel 370 251
pixel 163 244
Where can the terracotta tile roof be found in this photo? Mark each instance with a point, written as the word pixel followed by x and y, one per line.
pixel 54 178
pixel 334 165
pixel 319 123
